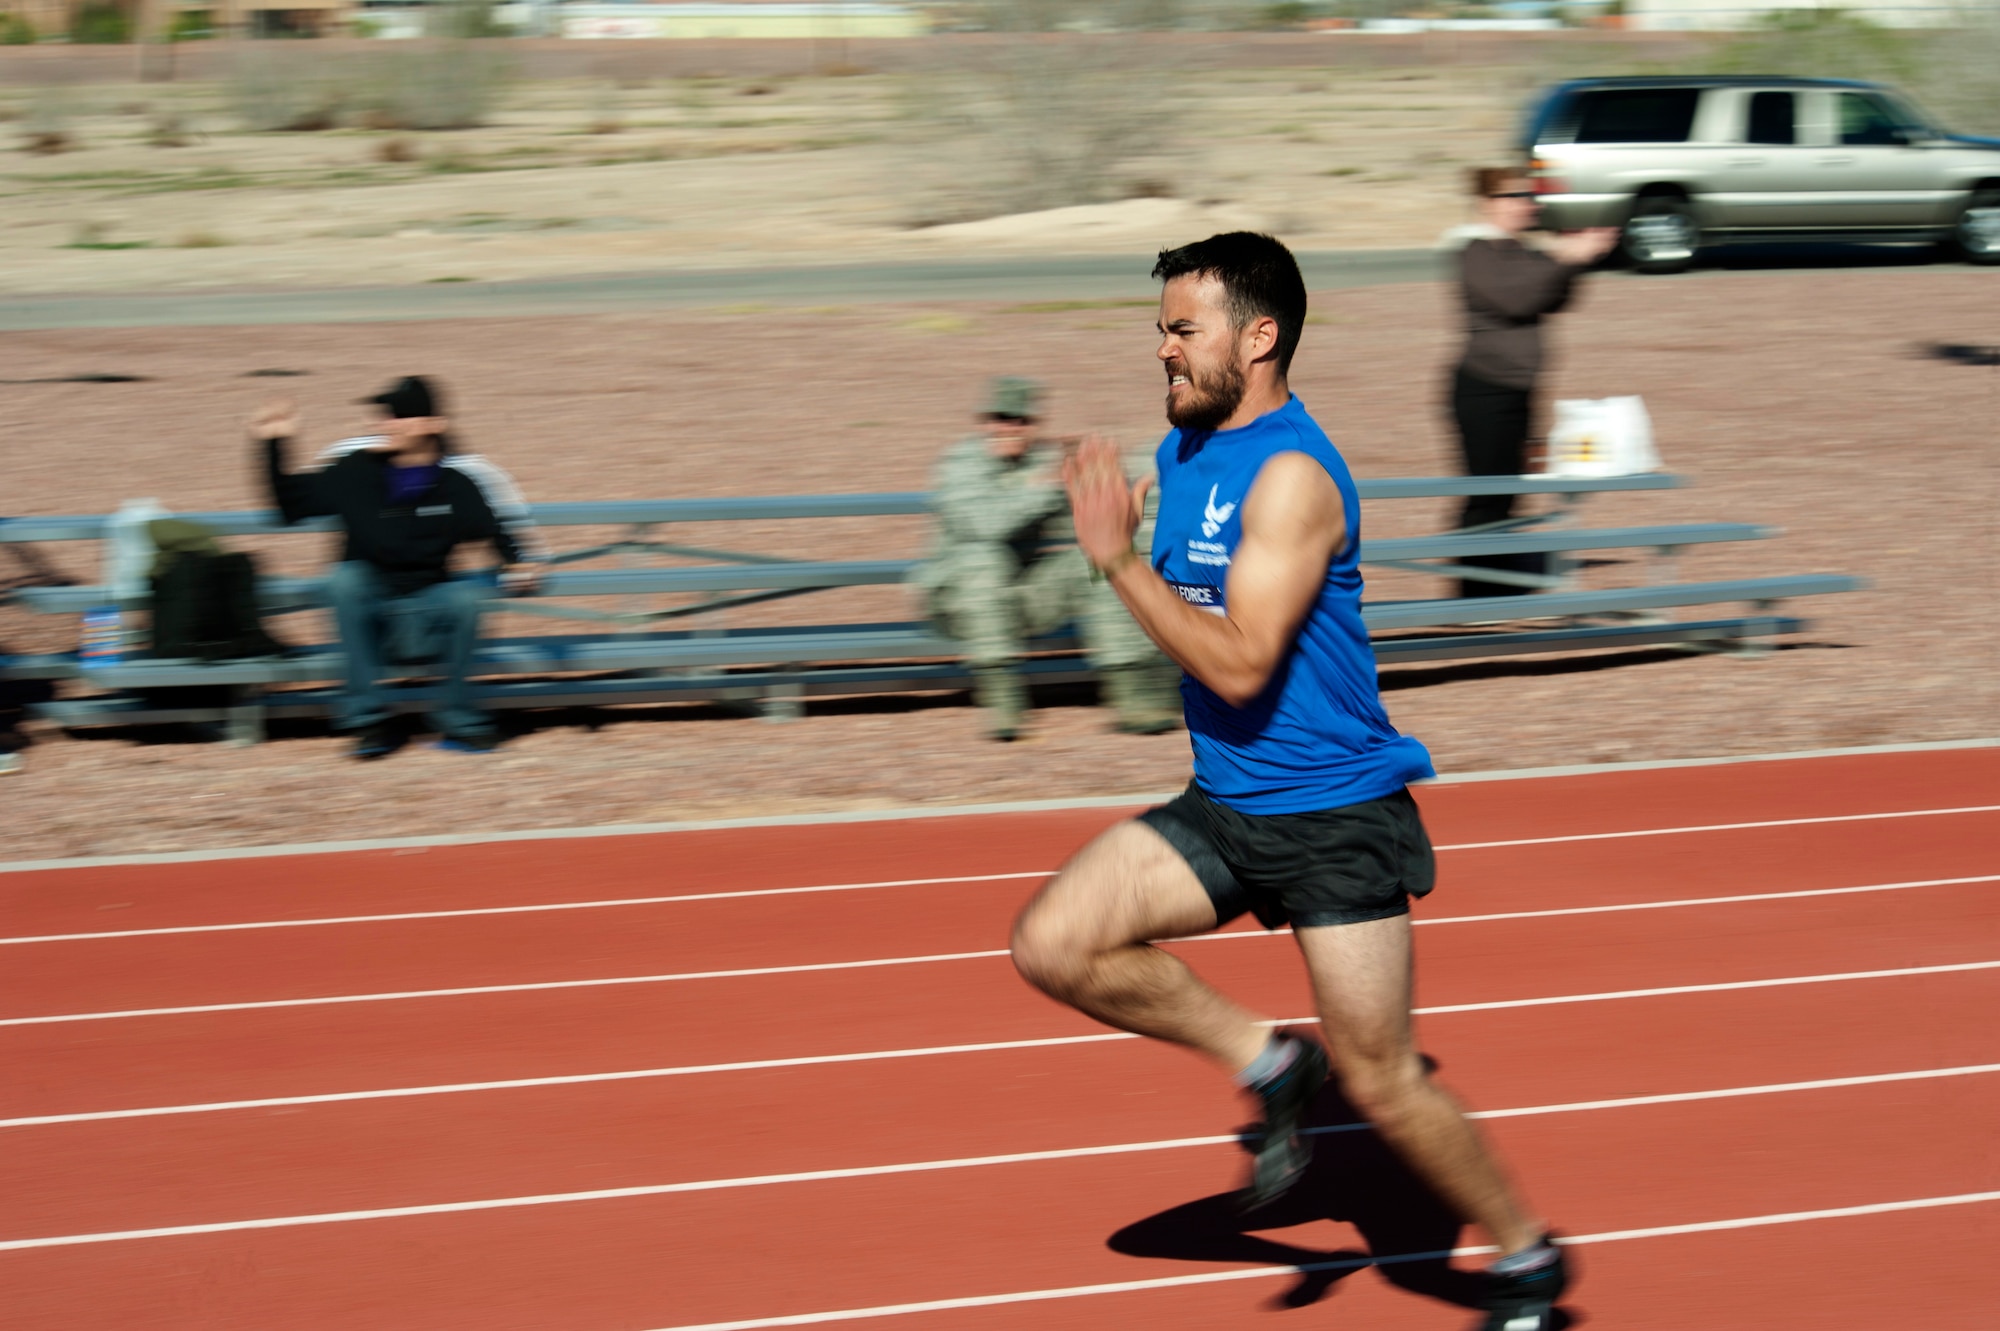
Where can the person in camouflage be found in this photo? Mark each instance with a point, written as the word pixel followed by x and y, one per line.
pixel 1005 569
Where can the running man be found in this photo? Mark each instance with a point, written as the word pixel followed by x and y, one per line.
pixel 1298 810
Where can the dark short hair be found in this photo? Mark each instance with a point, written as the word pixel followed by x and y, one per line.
pixel 1258 275
pixel 1487 181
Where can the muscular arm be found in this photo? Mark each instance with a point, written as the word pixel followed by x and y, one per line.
pixel 1293 524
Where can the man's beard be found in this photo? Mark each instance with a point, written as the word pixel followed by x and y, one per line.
pixel 1210 399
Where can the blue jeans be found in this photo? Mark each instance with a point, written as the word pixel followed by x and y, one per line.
pixel 439 625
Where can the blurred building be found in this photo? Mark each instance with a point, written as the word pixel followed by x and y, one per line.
pixel 741 18
pixel 58 18
pixel 43 16
pixel 820 19
pixel 1698 15
pixel 273 18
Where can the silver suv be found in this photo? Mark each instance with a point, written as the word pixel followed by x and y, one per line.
pixel 1678 163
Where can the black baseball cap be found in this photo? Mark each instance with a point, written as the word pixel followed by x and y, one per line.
pixel 407 397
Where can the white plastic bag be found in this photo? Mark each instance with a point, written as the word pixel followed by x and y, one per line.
pixel 1604 436
pixel 128 550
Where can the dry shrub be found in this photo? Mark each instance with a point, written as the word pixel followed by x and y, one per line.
pixel 608 116
pixel 1819 43
pixel 397 150
pixel 429 84
pixel 46 127
pixel 1962 72
pixel 200 240
pixel 450 161
pixel 433 85
pixel 284 86
pixel 1955 70
pixel 1050 121
pixel 168 130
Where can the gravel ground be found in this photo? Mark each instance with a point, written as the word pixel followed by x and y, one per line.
pixel 1814 399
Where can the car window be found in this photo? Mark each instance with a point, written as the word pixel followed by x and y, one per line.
pixel 1910 116
pixel 1773 118
pixel 1636 115
pixel 1866 120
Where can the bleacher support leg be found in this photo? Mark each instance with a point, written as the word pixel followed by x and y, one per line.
pixel 784 702
pixel 1760 633
pixel 245 723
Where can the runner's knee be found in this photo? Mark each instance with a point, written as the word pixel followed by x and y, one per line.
pixel 1127 886
pixel 1381 1085
pixel 1047 953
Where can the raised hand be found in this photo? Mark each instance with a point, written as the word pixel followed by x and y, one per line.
pixel 278 418
pixel 1581 248
pixel 1105 507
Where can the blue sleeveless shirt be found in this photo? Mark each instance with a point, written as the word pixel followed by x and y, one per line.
pixel 1317 737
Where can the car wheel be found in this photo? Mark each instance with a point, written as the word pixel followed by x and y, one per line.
pixel 1661 236
pixel 1977 234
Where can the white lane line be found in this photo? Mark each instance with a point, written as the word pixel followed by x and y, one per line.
pixel 1736 1092
pixel 1077 1291
pixel 536 908
pixel 801 968
pixel 1673 903
pixel 609 903
pixel 1836 978
pixel 470 990
pixel 573 1079
pixel 598 1195
pixel 1346 1264
pixel 912 1167
pixel 818 1060
pixel 1721 827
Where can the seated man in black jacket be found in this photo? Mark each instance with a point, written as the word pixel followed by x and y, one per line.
pixel 394 597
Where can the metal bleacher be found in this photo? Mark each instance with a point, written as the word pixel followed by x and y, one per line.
pixel 631 657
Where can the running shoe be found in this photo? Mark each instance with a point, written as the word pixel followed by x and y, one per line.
pixel 1282 1151
pixel 378 741
pixel 1526 1301
pixel 475 741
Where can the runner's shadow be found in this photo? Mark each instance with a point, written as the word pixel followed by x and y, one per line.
pixel 1353 1179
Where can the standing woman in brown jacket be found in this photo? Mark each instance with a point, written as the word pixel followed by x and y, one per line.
pixel 1507 288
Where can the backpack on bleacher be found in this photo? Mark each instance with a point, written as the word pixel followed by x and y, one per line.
pixel 204 598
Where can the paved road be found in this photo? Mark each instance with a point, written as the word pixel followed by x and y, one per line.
pixel 1074 277
pixel 1095 277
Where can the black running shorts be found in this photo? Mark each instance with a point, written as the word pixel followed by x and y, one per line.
pixel 1331 866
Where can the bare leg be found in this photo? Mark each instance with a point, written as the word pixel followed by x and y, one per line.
pixel 1085 941
pixel 1361 975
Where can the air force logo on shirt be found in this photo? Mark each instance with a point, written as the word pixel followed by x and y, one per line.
pixel 1213 517
pixel 1211 551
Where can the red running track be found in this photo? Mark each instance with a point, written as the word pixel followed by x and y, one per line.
pixel 1661 1062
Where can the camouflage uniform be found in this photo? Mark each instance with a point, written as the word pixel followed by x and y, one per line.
pixel 1005 569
